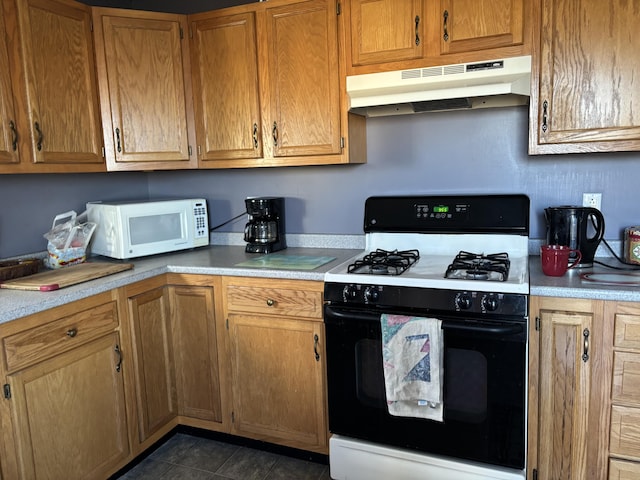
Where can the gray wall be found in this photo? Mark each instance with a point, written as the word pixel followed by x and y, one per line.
pixel 481 151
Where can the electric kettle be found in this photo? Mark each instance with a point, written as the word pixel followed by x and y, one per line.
pixel 579 228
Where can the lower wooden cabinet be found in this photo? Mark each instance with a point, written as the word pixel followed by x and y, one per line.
pixel 278 363
pixel 568 394
pixel 64 411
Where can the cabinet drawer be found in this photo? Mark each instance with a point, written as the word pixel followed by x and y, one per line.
pixel 619 470
pixel 627 331
pixel 625 431
pixel 626 377
pixel 274 300
pixel 43 341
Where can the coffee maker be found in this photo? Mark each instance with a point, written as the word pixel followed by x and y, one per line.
pixel 264 232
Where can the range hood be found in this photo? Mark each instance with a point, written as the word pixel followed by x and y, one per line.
pixel 492 83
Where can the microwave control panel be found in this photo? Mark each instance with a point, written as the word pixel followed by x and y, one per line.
pixel 201 221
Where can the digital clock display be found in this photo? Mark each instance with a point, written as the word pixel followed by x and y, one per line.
pixel 440 209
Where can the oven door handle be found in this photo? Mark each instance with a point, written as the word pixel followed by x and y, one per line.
pixel 496 329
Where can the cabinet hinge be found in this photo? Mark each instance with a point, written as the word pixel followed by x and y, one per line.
pixel 190 32
pixel 181 33
pixel 341 143
pixel 338 8
pixel 103 152
pixel 535 474
pixel 233 417
pixel 91 26
pixel 7 391
pixel 190 150
pixel 538 324
pixel 227 324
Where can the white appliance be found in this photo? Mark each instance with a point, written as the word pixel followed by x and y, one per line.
pixel 129 229
pixel 492 83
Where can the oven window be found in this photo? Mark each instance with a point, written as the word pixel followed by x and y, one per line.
pixel 465 385
pixel 368 369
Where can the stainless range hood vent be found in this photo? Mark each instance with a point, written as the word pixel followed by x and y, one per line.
pixel 493 83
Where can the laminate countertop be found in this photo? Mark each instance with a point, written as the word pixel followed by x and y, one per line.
pixel 211 260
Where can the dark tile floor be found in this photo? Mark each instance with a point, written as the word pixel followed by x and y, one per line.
pixel 188 457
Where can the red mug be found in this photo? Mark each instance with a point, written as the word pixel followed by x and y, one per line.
pixel 555 259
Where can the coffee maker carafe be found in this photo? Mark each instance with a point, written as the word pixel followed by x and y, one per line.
pixel 264 232
pixel 579 228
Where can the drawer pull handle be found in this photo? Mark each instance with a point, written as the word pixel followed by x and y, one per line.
pixel 119 353
pixel 40 139
pixel 14 133
pixel 72 332
pixel 270 302
pixel 585 352
pixel 445 19
pixel 315 346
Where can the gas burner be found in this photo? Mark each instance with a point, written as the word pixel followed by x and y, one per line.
pixel 473 266
pixel 384 262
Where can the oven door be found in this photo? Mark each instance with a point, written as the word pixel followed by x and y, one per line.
pixel 484 388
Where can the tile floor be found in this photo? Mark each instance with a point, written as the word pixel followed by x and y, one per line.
pixel 190 457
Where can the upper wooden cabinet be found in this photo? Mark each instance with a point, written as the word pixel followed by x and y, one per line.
pixel 269 84
pixel 55 126
pixel 399 34
pixel 147 107
pixel 585 96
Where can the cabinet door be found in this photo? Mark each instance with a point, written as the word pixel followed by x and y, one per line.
pixel 153 359
pixel 585 95
pixel 8 126
pixel 470 25
pixel 386 31
pixel 197 356
pixel 69 413
pixel 564 389
pixel 278 380
pixel 143 61
pixel 61 102
pixel 302 114
pixel 225 79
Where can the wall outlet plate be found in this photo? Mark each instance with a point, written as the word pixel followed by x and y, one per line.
pixel 593 200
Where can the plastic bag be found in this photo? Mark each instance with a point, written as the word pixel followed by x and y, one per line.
pixel 68 240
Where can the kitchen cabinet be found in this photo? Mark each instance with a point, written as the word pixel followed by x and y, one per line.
pixel 153 360
pixel 624 439
pixel 64 412
pixel 402 34
pixel 278 364
pixel 584 95
pixel 54 123
pixel 200 351
pixel 568 378
pixel 278 95
pixel 145 89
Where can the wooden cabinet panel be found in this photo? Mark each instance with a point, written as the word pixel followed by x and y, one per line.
pixel 51 54
pixel 225 80
pixel 625 431
pixel 470 25
pixel 278 380
pixel 8 126
pixel 627 331
pixel 69 413
pixel 153 360
pixel 147 105
pixel 44 341
pixel 197 355
pixel 386 30
pixel 619 470
pixel 626 377
pixel 291 301
pixel 584 92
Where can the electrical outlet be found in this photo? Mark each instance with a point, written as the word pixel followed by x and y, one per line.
pixel 592 200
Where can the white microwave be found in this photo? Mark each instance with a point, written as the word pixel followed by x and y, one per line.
pixel 139 228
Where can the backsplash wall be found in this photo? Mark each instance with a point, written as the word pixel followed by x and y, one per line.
pixel 482 151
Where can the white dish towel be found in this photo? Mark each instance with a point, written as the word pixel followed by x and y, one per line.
pixel 412 351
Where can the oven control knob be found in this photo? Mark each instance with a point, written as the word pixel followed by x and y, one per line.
pixel 350 292
pixel 463 301
pixel 371 294
pixel 490 303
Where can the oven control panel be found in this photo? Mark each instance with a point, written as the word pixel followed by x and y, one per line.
pixel 427 299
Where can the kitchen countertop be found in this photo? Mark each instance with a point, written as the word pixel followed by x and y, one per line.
pixel 224 260
pixel 211 260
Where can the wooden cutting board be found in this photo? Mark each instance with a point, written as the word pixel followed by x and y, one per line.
pixel 56 279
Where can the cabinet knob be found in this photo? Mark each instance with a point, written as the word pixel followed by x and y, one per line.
pixel 72 332
pixel 270 302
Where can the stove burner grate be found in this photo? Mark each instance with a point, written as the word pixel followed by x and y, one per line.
pixel 473 266
pixel 384 262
